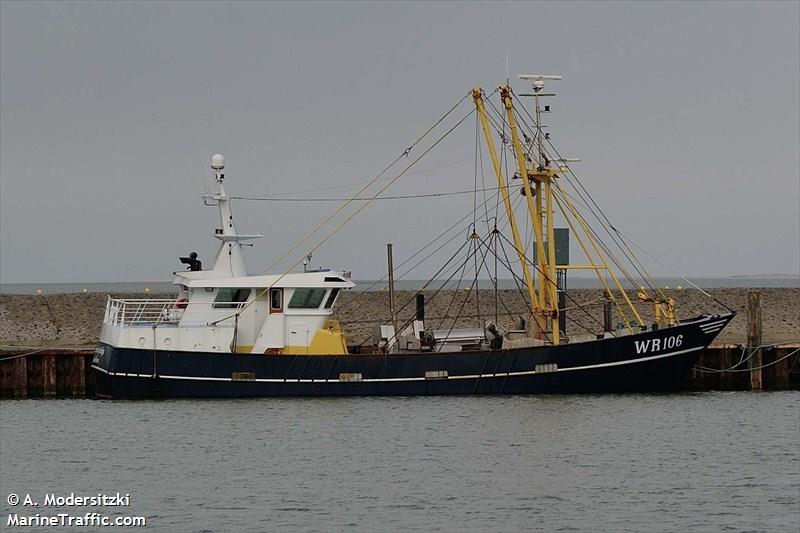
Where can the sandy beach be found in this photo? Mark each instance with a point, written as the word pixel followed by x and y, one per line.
pixel 76 319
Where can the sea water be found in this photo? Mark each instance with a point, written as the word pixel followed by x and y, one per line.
pixel 619 463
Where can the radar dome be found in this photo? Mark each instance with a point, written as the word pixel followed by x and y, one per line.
pixel 217 162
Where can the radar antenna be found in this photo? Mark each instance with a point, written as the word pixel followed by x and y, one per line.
pixel 538 85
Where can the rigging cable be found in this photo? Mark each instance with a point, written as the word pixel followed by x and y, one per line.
pixel 514 275
pixel 339 209
pixel 646 278
pixel 466 296
pixel 484 205
pixel 348 186
pixel 623 247
pixel 587 227
pixel 463 268
pixel 419 251
pixel 493 238
pixel 566 294
pixel 361 199
pixel 389 184
pixel 356 213
pixel 590 231
pixel 451 276
pixel 684 278
pixel 566 197
pixel 407 322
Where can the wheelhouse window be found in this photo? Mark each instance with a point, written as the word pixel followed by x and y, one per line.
pixel 307 298
pixel 331 298
pixel 276 299
pixel 230 298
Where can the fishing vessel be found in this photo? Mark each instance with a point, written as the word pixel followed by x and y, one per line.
pixel 230 334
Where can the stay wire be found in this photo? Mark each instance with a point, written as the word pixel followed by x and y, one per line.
pixel 558 191
pixel 408 322
pixel 444 266
pixel 645 277
pixel 383 279
pixel 362 199
pixel 465 300
pixel 453 226
pixel 389 184
pixel 339 209
pixel 348 186
pixel 355 213
pixel 549 280
pixel 684 278
pixel 458 287
pixel 626 251
pixel 493 238
pixel 514 276
pixel 568 199
pixel 425 285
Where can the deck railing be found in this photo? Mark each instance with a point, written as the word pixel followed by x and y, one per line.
pixel 140 312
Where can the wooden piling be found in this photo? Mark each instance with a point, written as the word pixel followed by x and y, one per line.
pixel 725 361
pixel 782 368
pixel 72 375
pixel 754 337
pixel 20 370
pixel 48 375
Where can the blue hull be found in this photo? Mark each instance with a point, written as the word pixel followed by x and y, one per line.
pixel 646 362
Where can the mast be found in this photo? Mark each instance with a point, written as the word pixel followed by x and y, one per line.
pixel 229 260
pixel 546 186
pixel 477 96
pixel 546 179
pixel 542 311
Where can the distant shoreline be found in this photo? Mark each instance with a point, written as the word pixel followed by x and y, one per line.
pixel 730 282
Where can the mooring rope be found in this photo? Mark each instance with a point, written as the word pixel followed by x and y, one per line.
pixel 36 350
pixel 742 360
pixel 22 354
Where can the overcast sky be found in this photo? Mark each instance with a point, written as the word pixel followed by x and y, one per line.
pixel 686 117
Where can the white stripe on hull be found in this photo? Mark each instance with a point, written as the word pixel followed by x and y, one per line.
pixel 421 378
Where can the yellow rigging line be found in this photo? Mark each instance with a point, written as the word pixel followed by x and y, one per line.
pixel 353 215
pixel 619 241
pixel 629 255
pixel 642 293
pixel 596 267
pixel 601 256
pixel 362 189
pixel 389 184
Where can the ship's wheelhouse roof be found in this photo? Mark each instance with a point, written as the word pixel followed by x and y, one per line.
pixel 326 279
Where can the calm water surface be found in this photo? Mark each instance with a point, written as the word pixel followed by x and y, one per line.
pixel 691 462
